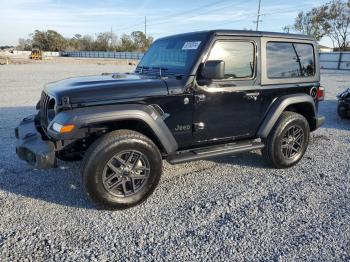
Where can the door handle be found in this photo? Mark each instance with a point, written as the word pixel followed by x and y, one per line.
pixel 252 96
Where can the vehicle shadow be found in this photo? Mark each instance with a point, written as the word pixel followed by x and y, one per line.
pixel 59 185
pixel 251 159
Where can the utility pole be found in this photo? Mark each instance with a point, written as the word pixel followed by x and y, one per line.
pixel 258 16
pixel 145 26
pixel 111 36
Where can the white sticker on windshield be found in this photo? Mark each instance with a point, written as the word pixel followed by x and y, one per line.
pixel 191 45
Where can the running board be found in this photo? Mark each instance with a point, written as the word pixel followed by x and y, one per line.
pixel 213 151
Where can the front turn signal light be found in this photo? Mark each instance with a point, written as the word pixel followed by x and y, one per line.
pixel 67 128
pixel 63 128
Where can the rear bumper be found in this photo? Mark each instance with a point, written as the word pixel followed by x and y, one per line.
pixel 31 147
pixel 319 121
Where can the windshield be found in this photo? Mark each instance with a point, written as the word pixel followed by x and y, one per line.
pixel 173 54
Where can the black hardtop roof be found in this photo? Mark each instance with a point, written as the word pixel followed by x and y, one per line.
pixel 222 32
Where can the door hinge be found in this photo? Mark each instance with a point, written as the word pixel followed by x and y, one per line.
pixel 66 103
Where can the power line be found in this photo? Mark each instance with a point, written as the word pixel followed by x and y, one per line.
pixel 161 21
pixel 200 13
pixel 132 26
pixel 252 14
pixel 229 22
pixel 179 14
pixel 286 10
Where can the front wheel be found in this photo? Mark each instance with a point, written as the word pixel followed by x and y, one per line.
pixel 121 169
pixel 287 141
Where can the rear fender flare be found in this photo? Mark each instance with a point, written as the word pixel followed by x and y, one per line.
pixel 278 107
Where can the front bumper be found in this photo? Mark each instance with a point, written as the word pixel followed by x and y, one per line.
pixel 31 147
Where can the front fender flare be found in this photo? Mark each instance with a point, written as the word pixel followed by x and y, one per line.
pixel 88 116
pixel 278 107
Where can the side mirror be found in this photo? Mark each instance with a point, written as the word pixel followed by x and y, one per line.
pixel 213 69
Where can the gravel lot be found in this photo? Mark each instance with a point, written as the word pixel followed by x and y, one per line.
pixel 229 208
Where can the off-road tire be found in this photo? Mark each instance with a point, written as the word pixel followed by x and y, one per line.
pixel 106 148
pixel 274 152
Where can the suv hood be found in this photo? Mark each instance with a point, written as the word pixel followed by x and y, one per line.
pixel 106 87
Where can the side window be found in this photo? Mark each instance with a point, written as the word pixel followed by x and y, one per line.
pixel 289 60
pixel 238 58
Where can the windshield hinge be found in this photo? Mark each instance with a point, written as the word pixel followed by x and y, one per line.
pixel 66 103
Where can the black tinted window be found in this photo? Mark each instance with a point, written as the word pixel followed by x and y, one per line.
pixel 238 57
pixel 289 60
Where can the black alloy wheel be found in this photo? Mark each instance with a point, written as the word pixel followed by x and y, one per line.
pixel 126 173
pixel 292 142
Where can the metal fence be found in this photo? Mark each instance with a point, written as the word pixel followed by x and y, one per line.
pixel 335 60
pixel 97 54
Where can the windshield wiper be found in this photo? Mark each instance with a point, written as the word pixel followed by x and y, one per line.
pixel 161 69
pixel 153 69
pixel 140 69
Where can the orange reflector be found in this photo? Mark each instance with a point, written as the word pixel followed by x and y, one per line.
pixel 67 128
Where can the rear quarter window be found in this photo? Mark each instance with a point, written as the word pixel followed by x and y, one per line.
pixel 290 60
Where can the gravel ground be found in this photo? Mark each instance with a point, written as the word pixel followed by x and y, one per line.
pixel 229 208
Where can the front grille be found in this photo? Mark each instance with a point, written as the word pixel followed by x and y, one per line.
pixel 47 109
pixel 44 102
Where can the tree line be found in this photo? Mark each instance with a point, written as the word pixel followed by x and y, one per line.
pixel 51 40
pixel 331 19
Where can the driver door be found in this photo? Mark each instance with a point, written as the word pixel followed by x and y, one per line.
pixel 229 108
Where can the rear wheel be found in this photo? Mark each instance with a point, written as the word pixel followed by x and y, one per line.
pixel 121 169
pixel 287 141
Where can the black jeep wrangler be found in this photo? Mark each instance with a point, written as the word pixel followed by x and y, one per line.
pixel 192 96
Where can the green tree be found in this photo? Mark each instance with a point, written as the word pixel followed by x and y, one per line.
pixel 313 23
pixel 87 43
pixel 56 42
pixel 48 40
pixel 106 41
pixel 126 44
pixel 51 40
pixel 338 23
pixel 141 41
pixel 40 40
pixel 331 19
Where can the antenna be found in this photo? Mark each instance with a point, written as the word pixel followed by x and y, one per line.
pixel 145 26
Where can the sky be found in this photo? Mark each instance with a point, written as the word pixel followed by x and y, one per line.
pixel 19 18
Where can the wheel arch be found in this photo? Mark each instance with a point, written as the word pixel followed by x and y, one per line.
pixel 141 118
pixel 133 124
pixel 298 103
pixel 305 109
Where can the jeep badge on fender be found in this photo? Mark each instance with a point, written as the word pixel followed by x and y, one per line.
pixel 192 96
